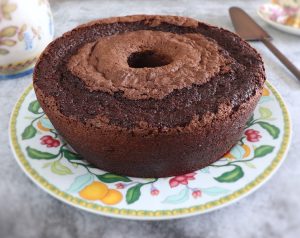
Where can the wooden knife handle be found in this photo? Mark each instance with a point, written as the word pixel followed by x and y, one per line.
pixel 282 58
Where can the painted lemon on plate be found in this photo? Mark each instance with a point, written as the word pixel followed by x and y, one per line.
pixel 94 191
pixel 99 191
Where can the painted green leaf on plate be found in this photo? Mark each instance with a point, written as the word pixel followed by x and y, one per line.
pixel 250 165
pixel 29 132
pixel 180 197
pixel 265 113
pixel 231 176
pixel 71 155
pixel 263 150
pixel 58 168
pixel 36 154
pixel 133 194
pixel 34 107
pixel 80 182
pixel 111 178
pixel 271 129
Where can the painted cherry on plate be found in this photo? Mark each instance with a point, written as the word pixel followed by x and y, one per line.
pixel 49 141
pixel 252 135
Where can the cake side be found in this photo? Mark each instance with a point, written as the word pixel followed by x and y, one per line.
pixel 153 155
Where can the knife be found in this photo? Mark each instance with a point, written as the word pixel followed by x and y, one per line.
pixel 249 30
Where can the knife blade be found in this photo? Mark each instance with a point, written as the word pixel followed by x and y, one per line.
pixel 249 30
pixel 245 26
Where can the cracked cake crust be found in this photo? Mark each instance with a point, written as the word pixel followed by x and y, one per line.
pixel 169 133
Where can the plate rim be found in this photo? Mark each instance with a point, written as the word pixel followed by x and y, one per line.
pixel 277 25
pixel 134 214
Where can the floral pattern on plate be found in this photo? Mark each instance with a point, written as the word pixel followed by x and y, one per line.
pixel 53 165
pixel 283 15
pixel 284 19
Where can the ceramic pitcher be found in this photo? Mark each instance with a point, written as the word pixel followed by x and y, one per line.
pixel 26 28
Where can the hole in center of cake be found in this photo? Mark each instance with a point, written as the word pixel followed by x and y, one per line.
pixel 148 59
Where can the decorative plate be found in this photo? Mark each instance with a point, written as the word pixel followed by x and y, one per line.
pixel 51 163
pixel 279 18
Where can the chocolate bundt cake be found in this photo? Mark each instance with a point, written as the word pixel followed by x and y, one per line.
pixel 149 96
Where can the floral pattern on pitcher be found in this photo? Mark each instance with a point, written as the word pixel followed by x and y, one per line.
pixel 23 36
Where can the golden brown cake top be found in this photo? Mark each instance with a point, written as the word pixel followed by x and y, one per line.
pixel 95 74
pixel 147 64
